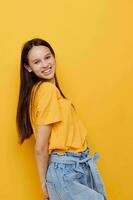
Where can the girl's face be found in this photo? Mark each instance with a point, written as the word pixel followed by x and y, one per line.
pixel 41 61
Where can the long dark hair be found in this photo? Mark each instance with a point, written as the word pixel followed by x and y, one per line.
pixel 27 81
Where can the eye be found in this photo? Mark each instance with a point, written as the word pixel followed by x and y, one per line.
pixel 47 57
pixel 36 62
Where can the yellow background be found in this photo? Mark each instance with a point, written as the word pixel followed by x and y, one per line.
pixel 93 41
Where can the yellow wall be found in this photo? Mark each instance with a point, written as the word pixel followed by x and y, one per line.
pixel 94 46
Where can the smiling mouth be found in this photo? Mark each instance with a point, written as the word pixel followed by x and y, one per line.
pixel 47 71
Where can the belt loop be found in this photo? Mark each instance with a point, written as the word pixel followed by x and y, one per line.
pixel 78 169
pixel 55 165
pixel 77 164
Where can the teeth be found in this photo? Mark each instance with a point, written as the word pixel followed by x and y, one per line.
pixel 47 70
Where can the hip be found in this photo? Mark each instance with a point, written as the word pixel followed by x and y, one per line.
pixel 74 170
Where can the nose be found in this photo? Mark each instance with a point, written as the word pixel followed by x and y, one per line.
pixel 45 64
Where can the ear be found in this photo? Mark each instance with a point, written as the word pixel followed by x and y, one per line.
pixel 27 67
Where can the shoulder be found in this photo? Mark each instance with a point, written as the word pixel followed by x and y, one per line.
pixel 48 85
pixel 46 88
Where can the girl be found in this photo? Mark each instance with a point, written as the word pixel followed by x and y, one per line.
pixel 66 170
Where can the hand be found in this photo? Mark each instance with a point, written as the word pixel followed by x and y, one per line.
pixel 45 191
pixel 46 198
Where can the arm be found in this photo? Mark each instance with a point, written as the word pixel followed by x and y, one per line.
pixel 41 152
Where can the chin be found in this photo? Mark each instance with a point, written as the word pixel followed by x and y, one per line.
pixel 49 77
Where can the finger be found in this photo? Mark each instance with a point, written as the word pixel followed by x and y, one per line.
pixel 46 198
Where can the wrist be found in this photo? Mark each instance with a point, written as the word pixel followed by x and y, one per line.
pixel 43 182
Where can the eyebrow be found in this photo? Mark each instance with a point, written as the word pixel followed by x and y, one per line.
pixel 38 58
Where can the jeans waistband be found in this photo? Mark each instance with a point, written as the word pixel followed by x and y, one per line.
pixel 73 154
pixel 72 157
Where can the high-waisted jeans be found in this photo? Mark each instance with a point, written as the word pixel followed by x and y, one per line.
pixel 74 176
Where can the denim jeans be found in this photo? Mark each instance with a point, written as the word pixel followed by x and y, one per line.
pixel 74 176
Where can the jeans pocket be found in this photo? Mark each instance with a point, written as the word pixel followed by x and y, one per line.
pixel 52 191
pixel 50 176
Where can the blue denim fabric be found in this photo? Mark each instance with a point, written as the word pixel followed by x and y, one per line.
pixel 74 176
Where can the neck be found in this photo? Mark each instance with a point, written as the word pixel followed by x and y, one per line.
pixel 52 80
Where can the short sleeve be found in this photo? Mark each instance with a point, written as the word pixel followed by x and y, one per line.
pixel 48 106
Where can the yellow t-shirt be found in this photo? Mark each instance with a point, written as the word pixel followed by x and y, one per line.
pixel 48 106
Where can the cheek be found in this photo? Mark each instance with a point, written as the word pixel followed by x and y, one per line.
pixel 37 67
pixel 52 60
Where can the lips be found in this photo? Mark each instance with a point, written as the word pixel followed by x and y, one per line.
pixel 47 71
